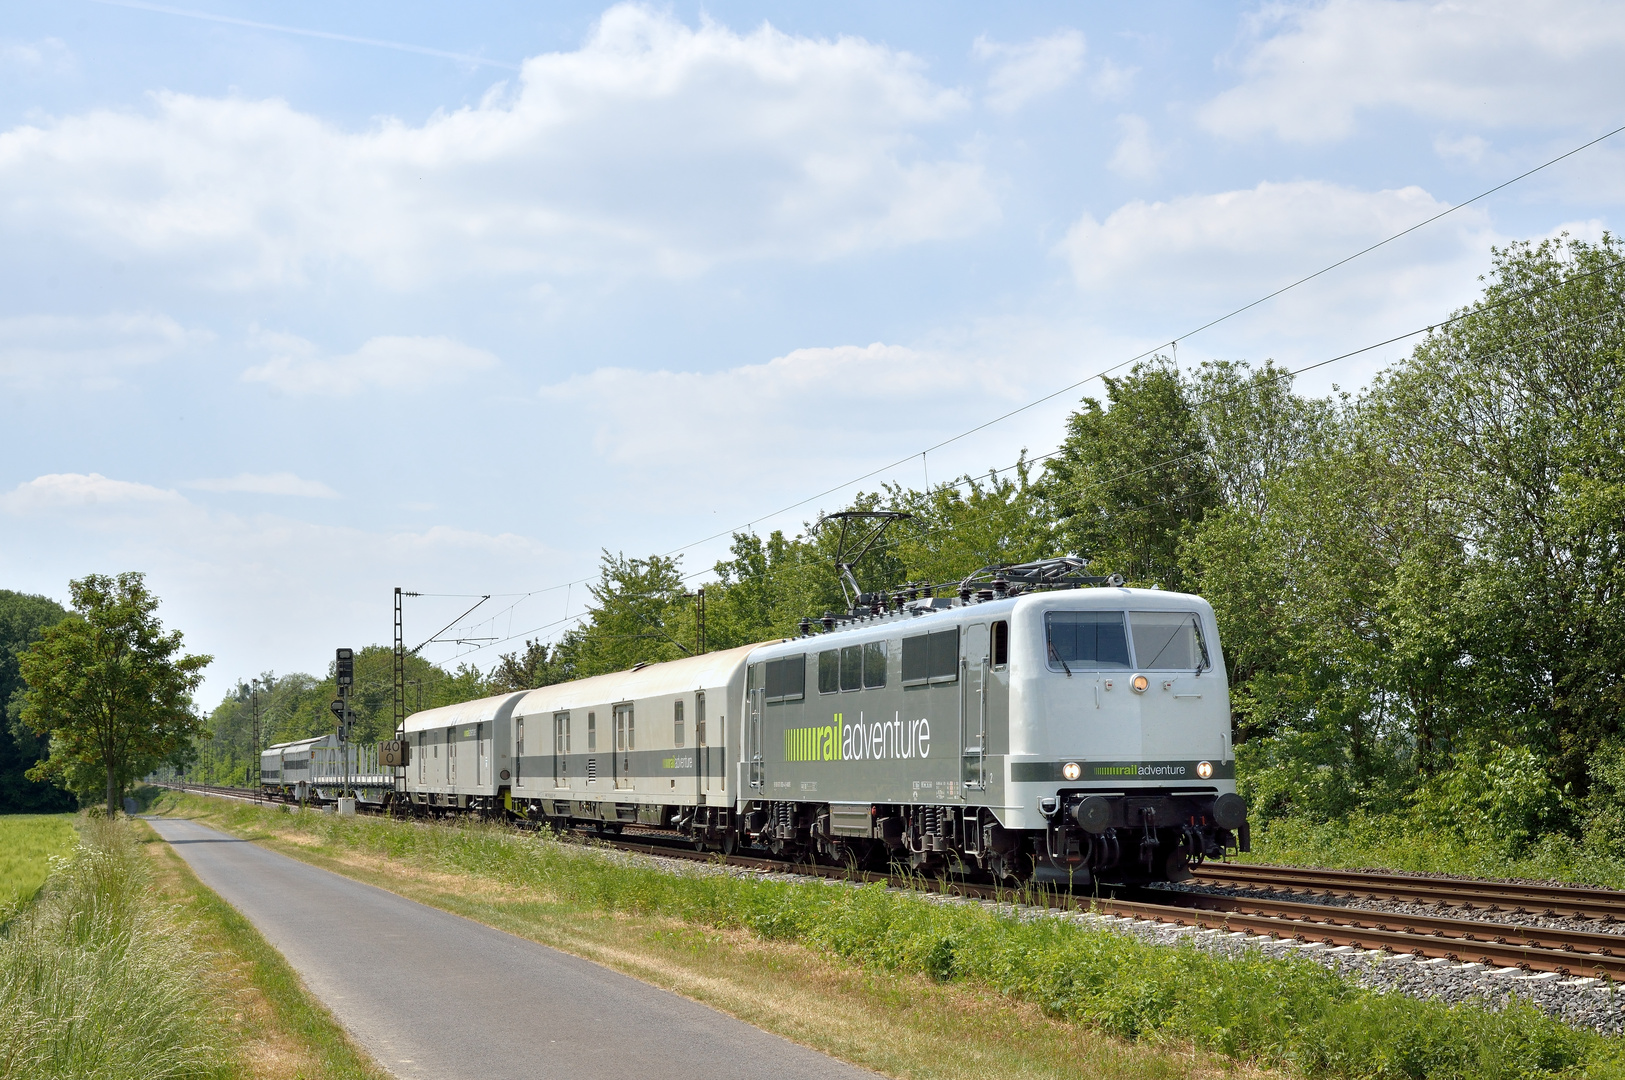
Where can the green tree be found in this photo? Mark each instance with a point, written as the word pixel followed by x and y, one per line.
pixel 535 667
pixel 957 528
pixel 23 618
pixel 627 623
pixel 110 688
pixel 1515 414
pixel 1132 479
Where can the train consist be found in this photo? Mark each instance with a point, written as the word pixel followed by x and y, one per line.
pixel 1031 728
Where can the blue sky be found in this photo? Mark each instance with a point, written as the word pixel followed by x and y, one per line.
pixel 290 315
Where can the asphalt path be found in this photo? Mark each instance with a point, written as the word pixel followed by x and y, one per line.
pixel 437 996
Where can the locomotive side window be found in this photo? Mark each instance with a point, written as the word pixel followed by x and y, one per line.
pixel 592 732
pixel 916 667
pixel 699 718
pixel 931 658
pixel 829 671
pixel 677 723
pixel 1091 640
pixel 874 665
pixel 1168 640
pixel 786 679
pixel 852 667
pixel 945 656
pixel 561 733
pixel 1001 644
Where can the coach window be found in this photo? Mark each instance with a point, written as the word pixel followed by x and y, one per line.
pixel 829 671
pixel 852 667
pixel 677 723
pixel 699 718
pixel 1001 644
pixel 592 732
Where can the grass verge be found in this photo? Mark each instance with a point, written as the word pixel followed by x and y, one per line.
pixel 280 1031
pixel 1131 1008
pixel 99 982
pixel 28 842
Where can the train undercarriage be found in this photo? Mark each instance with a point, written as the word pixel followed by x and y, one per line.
pixel 1115 838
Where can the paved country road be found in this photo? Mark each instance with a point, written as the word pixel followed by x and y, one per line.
pixel 435 996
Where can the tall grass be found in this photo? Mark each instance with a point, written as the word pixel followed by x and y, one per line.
pixel 97 982
pixel 1366 841
pixel 1288 1013
pixel 27 842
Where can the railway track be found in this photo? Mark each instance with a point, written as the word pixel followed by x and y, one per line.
pixel 1565 951
pixel 1465 894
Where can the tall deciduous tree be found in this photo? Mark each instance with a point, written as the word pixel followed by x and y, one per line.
pixel 110 689
pixel 1131 480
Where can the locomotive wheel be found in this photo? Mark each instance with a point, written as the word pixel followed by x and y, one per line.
pixel 730 842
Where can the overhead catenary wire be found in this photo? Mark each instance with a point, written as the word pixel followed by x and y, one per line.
pixel 1169 343
pixel 1280 376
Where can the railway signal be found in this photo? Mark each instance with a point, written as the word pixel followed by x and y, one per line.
pixel 344 667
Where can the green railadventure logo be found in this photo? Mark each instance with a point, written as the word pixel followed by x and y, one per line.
pixel 860 740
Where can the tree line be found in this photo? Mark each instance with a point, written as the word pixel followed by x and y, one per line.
pixel 1418 586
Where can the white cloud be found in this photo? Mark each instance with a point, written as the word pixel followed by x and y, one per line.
pixel 249 588
pixel 1165 267
pixel 1310 69
pixel 656 147
pixel 297 366
pixel 813 416
pixel 59 491
pixel 1135 157
pixel 38 349
pixel 280 483
pixel 47 55
pixel 1031 69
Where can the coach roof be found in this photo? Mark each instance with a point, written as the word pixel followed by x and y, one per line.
pixel 478 711
pixel 708 670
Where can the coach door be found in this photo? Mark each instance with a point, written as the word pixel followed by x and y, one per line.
pixel 561 749
pixel 702 752
pixel 975 667
pixel 621 760
pixel 482 757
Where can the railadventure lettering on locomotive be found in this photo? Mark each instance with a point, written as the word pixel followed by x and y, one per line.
pixel 862 740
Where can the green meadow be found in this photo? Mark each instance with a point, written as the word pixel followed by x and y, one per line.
pixel 27 843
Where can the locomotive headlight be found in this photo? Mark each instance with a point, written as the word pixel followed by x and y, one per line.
pixel 1204 769
pixel 1071 770
pixel 1140 682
